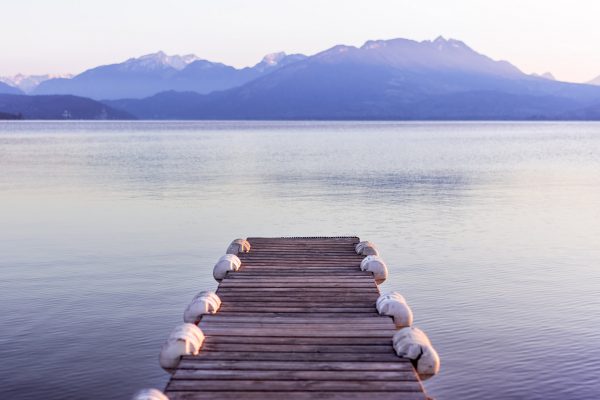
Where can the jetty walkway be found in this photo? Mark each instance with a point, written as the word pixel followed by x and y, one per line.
pixel 297 320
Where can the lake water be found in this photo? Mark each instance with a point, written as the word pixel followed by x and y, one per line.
pixel 491 231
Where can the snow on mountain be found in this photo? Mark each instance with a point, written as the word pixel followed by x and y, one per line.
pixel 545 75
pixel 159 60
pixel 276 60
pixel 28 83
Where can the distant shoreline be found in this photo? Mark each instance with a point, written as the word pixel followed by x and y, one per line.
pixel 307 121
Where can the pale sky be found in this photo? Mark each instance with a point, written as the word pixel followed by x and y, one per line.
pixel 69 36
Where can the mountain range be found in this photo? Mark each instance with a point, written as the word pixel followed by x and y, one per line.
pixel 154 73
pixel 396 79
pixel 384 79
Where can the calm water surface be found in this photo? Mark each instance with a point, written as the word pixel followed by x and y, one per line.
pixel 492 233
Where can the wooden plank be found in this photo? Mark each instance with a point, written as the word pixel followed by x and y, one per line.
pixel 282 298
pixel 289 294
pixel 331 326
pixel 332 260
pixel 276 276
pixel 298 365
pixel 293 385
pixel 307 293
pixel 295 265
pixel 359 293
pixel 253 273
pixel 325 295
pixel 291 356
pixel 296 290
pixel 297 348
pixel 302 271
pixel 227 308
pixel 296 332
pixel 274 285
pixel 306 266
pixel 303 251
pixel 334 272
pixel 308 314
pixel 282 277
pixel 302 255
pixel 225 296
pixel 298 340
pixel 300 303
pixel 307 239
pixel 386 322
pixel 207 374
pixel 291 395
pixel 302 258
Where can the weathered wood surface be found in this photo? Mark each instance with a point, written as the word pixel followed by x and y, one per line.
pixel 298 321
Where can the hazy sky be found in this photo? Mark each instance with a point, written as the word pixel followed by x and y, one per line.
pixel 57 36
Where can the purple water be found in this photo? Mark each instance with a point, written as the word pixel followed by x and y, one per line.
pixel 491 231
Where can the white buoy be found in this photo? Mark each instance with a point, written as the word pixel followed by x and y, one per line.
pixel 150 394
pixel 394 305
pixel 238 246
pixel 359 246
pixel 210 294
pixel 366 248
pixel 228 262
pixel 205 302
pixel 413 343
pixel 376 265
pixel 184 340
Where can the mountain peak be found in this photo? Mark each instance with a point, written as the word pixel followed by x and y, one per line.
pixel 442 43
pixel 376 44
pixel 277 60
pixel 160 60
pixel 274 58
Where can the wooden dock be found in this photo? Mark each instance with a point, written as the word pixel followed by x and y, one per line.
pixel 297 321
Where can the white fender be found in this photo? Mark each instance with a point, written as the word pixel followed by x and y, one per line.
pixel 413 343
pixel 187 329
pixel 366 249
pixel 238 246
pixel 359 246
pixel 228 262
pixel 387 295
pixel 394 305
pixel 211 294
pixel 150 394
pixel 207 303
pixel 376 265
pixel 185 339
